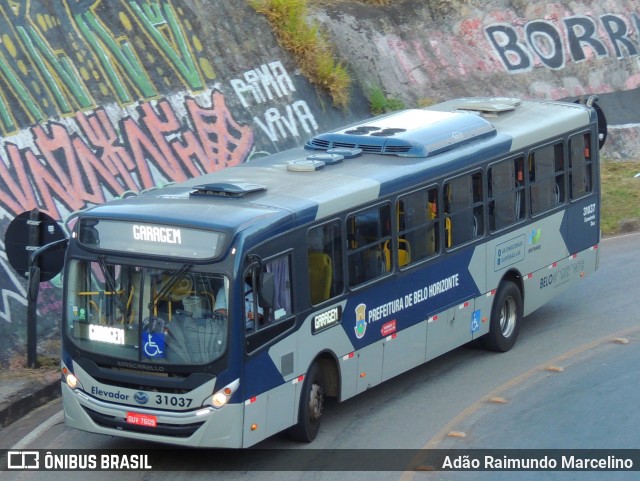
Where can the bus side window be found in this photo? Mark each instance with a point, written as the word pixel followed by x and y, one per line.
pixel 464 215
pixel 367 232
pixel 403 253
pixel 418 231
pixel 324 256
pixel 546 172
pixel 506 192
pixel 580 182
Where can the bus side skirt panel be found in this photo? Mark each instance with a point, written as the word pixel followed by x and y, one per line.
pixel 404 350
pixel 279 403
pixel 557 277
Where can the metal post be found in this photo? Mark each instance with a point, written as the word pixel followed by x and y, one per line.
pixel 33 244
pixel 32 357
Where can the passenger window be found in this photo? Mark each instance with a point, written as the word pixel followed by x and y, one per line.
pixel 324 254
pixel 505 187
pixel 463 207
pixel 580 174
pixel 418 226
pixel 546 174
pixel 367 233
pixel 267 294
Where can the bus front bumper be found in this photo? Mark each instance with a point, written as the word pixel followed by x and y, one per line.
pixel 205 427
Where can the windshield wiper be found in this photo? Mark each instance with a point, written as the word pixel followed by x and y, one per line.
pixel 169 285
pixel 111 283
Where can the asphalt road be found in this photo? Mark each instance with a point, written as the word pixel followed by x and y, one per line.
pixel 569 383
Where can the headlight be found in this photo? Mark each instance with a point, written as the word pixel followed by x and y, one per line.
pixel 221 398
pixel 72 381
pixel 69 378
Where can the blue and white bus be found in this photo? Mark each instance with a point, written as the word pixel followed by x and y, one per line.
pixel 224 309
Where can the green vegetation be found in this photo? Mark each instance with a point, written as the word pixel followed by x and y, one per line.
pixel 620 196
pixel 379 103
pixel 309 47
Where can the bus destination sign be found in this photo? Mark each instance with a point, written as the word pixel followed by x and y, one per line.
pixel 151 239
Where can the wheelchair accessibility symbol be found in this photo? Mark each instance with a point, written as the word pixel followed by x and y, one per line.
pixel 153 346
pixel 475 322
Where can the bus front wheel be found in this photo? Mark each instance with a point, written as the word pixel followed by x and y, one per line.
pixel 506 314
pixel 311 406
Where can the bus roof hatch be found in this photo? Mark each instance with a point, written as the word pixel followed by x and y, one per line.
pixel 489 106
pixel 227 189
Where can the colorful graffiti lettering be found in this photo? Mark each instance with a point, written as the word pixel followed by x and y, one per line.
pixel 71 58
pixel 92 157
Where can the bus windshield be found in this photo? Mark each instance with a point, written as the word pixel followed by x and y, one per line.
pixel 163 316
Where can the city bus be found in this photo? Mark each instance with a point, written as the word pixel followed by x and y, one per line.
pixel 222 310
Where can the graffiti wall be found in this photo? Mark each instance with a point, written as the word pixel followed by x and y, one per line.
pixel 101 99
pixel 420 54
pixel 535 49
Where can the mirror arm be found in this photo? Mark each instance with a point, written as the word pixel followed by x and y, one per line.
pixel 34 270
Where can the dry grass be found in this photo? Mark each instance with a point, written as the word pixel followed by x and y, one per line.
pixel 17 367
pixel 311 49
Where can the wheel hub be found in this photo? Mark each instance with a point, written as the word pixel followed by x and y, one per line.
pixel 316 402
pixel 508 317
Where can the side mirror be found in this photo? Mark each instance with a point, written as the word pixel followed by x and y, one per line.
pixel 267 289
pixel 36 275
pixel 602 120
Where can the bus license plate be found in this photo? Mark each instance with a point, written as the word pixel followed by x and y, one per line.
pixel 142 420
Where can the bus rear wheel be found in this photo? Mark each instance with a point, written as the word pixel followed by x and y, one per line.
pixel 506 315
pixel 311 406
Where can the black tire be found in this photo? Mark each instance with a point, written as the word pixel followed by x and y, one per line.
pixel 311 406
pixel 506 316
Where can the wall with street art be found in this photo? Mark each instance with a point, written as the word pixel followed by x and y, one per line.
pixel 424 51
pixel 101 99
pixel 106 98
